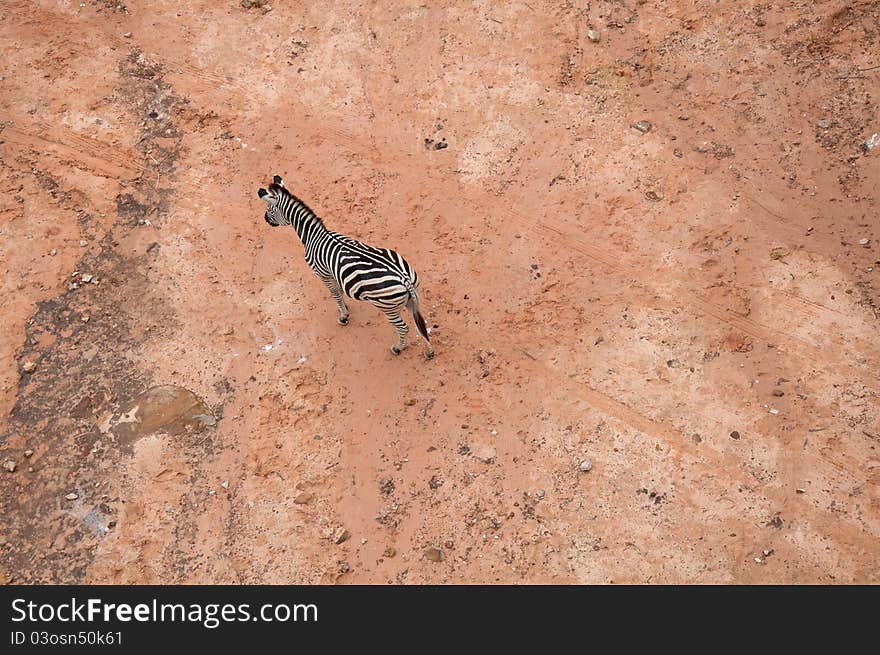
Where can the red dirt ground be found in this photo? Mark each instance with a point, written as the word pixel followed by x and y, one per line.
pixel 690 309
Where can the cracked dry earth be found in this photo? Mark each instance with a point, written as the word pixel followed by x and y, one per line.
pixel 691 307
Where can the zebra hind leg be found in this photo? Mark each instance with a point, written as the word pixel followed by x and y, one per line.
pixel 401 327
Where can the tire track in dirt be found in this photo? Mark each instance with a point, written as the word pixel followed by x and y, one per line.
pixel 710 461
pixel 804 348
pixel 93 155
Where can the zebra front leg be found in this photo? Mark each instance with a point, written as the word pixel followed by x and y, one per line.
pixel 336 292
pixel 401 327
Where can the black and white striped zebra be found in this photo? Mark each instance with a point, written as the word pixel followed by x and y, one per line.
pixel 377 275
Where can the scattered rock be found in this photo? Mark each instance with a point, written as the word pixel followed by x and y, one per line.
pixel 72 496
pixel 435 483
pixel 225 484
pixel 127 35
pixel 344 567
pixel 341 535
pixel 864 242
pixel 83 243
pixel 440 145
pixel 390 552
pixel 28 366
pixel 303 498
pixel 28 452
pixel 734 435
pixel 778 393
pixel 539 493
pixel 434 554
pixel 9 465
pixel 642 126
pixel 870 144
pixel 824 124
pixel 593 36
pixel 53 252
pixel 410 402
pixel 585 466
pixel 654 194
pixel 774 411
pixel 677 152
pixel 86 278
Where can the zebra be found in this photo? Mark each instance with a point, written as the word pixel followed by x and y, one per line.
pixel 377 275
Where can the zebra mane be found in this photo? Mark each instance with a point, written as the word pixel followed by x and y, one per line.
pixel 296 203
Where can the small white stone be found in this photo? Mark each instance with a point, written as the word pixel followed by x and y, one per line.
pixel 225 484
pixel 864 242
pixel 83 243
pixel 87 278
pixel 53 252
pixel 72 496
pixel 585 466
pixel 773 410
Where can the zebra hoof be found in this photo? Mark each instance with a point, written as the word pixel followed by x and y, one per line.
pixel 342 321
pixel 395 350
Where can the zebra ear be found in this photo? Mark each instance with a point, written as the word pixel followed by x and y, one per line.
pixel 277 179
pixel 264 195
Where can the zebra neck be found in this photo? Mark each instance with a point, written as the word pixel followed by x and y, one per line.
pixel 304 221
pixel 308 228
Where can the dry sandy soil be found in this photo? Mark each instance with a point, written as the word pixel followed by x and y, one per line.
pixel 693 309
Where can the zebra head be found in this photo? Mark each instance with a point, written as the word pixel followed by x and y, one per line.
pixel 274 216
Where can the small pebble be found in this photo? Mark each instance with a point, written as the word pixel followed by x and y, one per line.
pixel 774 411
pixel 539 493
pixel 593 36
pixel 83 243
pixel 72 496
pixel 28 452
pixel 341 535
pixel 585 466
pixel 734 435
pixel 127 35
pixel 864 242
pixel 434 554
pixel 9 465
pixel 824 124
pixel 53 252
pixel 642 126
pixel 87 278
pixel 28 367
pixel 225 484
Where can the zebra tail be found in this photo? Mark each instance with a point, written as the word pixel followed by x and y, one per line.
pixel 413 306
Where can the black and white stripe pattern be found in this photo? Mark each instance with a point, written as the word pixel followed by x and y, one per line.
pixel 345 265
